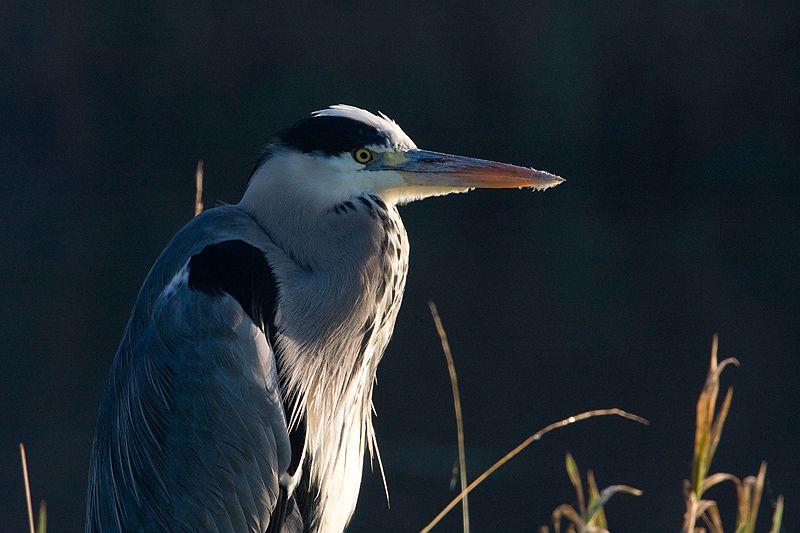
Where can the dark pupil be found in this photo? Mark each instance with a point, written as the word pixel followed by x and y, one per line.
pixel 362 155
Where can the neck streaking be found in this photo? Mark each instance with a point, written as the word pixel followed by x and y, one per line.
pixel 349 301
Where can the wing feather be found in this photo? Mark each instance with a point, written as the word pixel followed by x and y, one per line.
pixel 192 434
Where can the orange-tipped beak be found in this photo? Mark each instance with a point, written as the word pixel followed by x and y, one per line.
pixel 424 168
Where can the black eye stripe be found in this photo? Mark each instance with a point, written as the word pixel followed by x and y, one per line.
pixel 330 135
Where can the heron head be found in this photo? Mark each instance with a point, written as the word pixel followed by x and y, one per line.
pixel 343 151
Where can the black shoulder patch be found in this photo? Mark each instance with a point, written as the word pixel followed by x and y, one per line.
pixel 241 270
pixel 329 135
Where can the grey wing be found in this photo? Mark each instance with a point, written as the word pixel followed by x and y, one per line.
pixel 195 436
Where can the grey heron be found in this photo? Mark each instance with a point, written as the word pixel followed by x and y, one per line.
pixel 240 396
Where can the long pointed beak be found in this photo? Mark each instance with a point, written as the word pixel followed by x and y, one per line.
pixel 425 168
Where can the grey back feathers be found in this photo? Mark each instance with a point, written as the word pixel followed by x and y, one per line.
pixel 191 434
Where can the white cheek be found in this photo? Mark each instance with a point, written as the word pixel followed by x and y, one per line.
pixel 341 179
pixel 315 182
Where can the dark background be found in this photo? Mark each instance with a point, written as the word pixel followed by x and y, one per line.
pixel 676 127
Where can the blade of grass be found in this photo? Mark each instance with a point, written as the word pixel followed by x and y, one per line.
pixel 712 519
pixel 451 369
pixel 606 495
pixel 575 478
pixel 709 422
pixel 524 444
pixel 566 511
pixel 597 519
pixel 752 488
pixel 758 491
pixel 719 477
pixel 41 523
pixel 24 460
pixel 704 417
pixel 777 516
pixel 722 414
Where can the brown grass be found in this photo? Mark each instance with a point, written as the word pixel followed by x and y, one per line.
pixel 462 456
pixel 41 524
pixel 589 516
pixel 198 188
pixel 710 420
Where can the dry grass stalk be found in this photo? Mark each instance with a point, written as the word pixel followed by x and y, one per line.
pixel 41 523
pixel 462 456
pixel 24 460
pixel 521 446
pixel 198 188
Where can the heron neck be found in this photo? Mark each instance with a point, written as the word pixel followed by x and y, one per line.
pixel 341 289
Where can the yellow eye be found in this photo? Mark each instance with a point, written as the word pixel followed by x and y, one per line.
pixel 362 155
